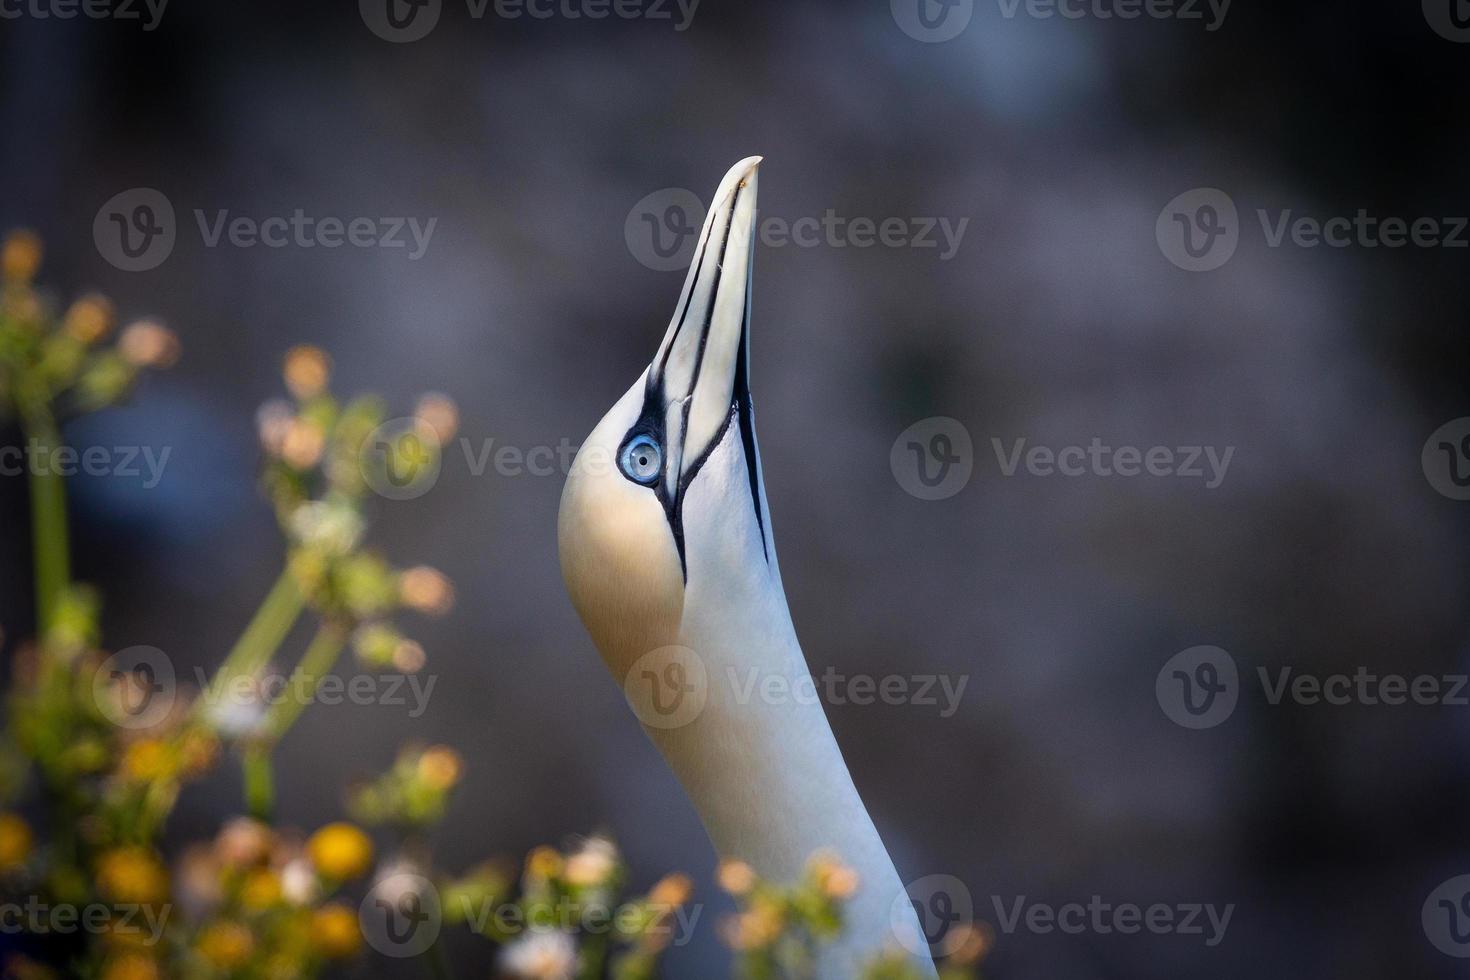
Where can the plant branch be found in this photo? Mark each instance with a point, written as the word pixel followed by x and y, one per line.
pixel 262 637
pixel 318 660
pixel 50 546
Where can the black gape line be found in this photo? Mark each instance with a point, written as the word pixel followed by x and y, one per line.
pixel 651 420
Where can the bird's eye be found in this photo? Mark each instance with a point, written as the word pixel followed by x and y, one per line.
pixel 642 460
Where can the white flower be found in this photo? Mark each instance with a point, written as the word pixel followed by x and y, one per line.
pixel 541 956
pixel 593 864
pixel 298 881
pixel 335 528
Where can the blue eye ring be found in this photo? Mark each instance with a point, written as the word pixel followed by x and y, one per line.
pixel 642 460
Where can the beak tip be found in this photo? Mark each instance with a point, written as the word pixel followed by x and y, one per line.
pixel 745 169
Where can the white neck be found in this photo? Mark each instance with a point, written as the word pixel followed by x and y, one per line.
pixel 760 762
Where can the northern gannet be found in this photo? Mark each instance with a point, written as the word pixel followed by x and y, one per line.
pixel 667 552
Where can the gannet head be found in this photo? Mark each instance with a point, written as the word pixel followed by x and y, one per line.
pixel 665 495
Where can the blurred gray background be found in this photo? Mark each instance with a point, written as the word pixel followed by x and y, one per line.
pixel 1060 318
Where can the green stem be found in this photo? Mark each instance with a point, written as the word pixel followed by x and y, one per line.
pixel 318 660
pixel 267 630
pixel 260 786
pixel 438 963
pixel 49 545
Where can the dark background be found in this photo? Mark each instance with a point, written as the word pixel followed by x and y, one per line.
pixel 1059 320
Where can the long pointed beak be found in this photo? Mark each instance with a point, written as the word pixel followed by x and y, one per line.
pixel 701 365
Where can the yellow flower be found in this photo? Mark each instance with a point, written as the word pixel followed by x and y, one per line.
pixel 307 370
pixel 198 752
pixel 334 931
pixel 89 318
pixel 132 874
pixel 408 657
pixel 244 841
pixel 20 257
pixel 225 944
pixel 260 890
pixel 439 767
pixel 760 926
pixel 736 877
pixel 303 444
pixel 966 944
pixel 835 879
pixel 544 862
pixel 439 414
pixel 130 966
pixel 16 841
pixel 340 851
pixel 426 589
pixel 671 890
pixel 148 760
pixel 148 343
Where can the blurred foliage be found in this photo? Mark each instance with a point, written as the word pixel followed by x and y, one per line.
pixel 261 901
